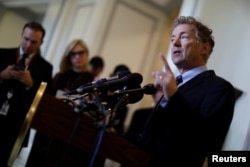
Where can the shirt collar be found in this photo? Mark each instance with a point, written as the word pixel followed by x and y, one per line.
pixel 192 73
pixel 22 52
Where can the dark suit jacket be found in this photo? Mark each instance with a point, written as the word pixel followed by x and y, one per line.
pixel 22 98
pixel 192 125
pixel 138 121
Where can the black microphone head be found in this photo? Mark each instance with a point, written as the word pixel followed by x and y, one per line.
pixel 135 96
pixel 133 82
pixel 134 79
pixel 127 82
pixel 122 74
pixel 131 97
pixel 149 89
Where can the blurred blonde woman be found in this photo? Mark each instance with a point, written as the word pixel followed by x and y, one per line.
pixel 73 67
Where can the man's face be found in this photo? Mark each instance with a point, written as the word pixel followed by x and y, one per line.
pixel 186 51
pixel 31 40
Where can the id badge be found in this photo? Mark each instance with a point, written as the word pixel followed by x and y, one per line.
pixel 5 108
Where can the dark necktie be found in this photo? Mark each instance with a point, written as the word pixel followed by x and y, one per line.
pixel 24 56
pixel 179 79
pixel 21 63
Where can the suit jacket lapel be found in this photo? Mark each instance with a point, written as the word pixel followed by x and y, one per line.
pixel 196 80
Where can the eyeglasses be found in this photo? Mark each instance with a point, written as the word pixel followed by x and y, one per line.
pixel 79 53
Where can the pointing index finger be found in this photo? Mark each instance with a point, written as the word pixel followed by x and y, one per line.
pixel 165 63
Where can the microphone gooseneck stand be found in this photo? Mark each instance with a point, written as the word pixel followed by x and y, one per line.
pixel 77 123
pixel 97 109
pixel 102 126
pixel 78 109
pixel 101 109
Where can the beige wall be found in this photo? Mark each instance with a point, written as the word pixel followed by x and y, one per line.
pixel 10 29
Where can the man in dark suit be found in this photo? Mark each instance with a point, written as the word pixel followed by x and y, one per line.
pixel 22 69
pixel 140 117
pixel 192 119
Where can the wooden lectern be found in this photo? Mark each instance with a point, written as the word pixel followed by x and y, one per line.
pixel 26 124
pixel 57 119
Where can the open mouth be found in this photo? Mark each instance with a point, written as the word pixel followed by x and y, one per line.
pixel 177 52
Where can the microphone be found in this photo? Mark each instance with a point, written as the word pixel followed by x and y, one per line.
pixel 131 79
pixel 133 95
pixel 148 89
pixel 118 76
pixel 123 99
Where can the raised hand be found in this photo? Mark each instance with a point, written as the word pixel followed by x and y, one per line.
pixel 165 79
pixel 7 72
pixel 23 76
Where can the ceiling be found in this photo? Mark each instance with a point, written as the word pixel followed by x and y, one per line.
pixel 166 6
pixel 34 8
